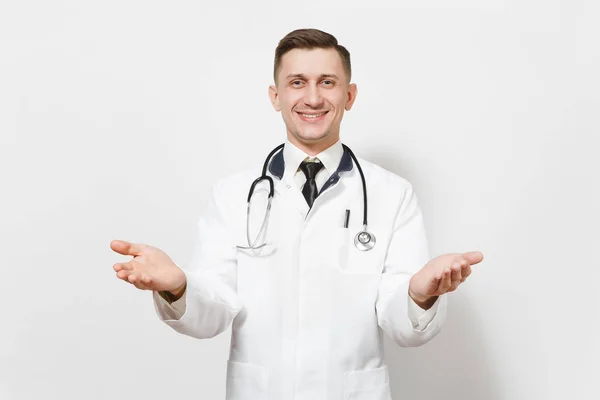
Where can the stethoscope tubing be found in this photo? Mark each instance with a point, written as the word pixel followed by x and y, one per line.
pixel 364 183
pixel 363 240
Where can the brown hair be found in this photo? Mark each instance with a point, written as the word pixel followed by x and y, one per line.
pixel 309 39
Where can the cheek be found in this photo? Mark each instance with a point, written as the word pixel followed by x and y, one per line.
pixel 288 100
pixel 288 115
pixel 336 101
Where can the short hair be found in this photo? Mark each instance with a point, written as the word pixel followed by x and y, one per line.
pixel 309 39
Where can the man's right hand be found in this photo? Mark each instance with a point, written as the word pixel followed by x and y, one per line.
pixel 150 268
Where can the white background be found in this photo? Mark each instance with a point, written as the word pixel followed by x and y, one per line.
pixel 117 116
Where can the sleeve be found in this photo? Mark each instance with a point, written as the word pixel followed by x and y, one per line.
pixel 210 302
pixel 421 318
pixel 168 309
pixel 407 253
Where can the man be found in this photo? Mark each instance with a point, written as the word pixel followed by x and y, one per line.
pixel 308 307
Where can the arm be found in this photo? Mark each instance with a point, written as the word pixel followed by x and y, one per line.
pixel 408 252
pixel 207 304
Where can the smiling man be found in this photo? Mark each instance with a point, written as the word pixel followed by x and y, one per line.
pixel 340 258
pixel 312 90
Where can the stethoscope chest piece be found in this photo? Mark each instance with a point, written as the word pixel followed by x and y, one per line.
pixel 364 240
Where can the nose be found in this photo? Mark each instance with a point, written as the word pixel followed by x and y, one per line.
pixel 312 96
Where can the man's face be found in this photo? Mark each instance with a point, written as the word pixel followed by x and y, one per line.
pixel 312 93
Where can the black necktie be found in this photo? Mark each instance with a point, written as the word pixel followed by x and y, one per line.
pixel 309 190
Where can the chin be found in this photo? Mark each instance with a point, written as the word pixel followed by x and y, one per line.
pixel 312 136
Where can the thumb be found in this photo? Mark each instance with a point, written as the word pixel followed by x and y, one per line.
pixel 473 257
pixel 126 248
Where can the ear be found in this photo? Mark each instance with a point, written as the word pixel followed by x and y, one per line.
pixel 274 97
pixel 351 96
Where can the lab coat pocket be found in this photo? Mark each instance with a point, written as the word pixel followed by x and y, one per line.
pixel 368 384
pixel 246 381
pixel 350 260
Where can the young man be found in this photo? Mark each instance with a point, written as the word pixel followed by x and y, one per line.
pixel 309 296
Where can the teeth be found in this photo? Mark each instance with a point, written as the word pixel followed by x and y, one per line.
pixel 312 115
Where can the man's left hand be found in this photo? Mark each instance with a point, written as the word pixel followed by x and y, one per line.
pixel 441 275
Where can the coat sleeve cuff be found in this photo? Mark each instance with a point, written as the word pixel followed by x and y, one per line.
pixel 168 310
pixel 419 317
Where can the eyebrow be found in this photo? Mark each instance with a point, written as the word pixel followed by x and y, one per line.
pixel 322 76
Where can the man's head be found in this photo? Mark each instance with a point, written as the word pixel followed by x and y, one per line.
pixel 312 87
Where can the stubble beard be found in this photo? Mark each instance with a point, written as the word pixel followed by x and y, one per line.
pixel 311 137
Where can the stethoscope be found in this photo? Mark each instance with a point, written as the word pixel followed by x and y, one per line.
pixel 364 240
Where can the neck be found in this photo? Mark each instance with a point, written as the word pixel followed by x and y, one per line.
pixel 312 148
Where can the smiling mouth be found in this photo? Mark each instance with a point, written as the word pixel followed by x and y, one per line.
pixel 312 116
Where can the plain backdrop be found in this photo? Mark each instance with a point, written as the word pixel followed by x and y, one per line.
pixel 116 117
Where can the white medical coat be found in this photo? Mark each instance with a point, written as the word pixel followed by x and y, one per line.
pixel 309 309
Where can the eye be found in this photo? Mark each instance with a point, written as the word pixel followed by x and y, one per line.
pixel 296 83
pixel 328 82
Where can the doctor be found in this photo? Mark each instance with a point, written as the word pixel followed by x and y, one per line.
pixel 307 300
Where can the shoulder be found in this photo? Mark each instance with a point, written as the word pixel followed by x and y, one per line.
pixel 237 182
pixel 391 197
pixel 380 178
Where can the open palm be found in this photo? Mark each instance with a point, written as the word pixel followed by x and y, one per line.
pixel 443 274
pixel 150 268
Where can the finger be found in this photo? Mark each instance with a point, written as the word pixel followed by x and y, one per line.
pixel 124 274
pixel 122 266
pixel 473 257
pixel 466 271
pixel 453 286
pixel 434 284
pixel 456 275
pixel 146 280
pixel 140 285
pixel 140 281
pixel 446 281
pixel 126 248
pixel 134 277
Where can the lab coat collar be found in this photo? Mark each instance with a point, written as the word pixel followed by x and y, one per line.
pixel 335 159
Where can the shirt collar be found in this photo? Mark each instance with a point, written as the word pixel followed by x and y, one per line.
pixel 333 158
pixel 330 158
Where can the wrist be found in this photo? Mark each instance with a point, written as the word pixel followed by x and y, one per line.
pixel 425 302
pixel 177 293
